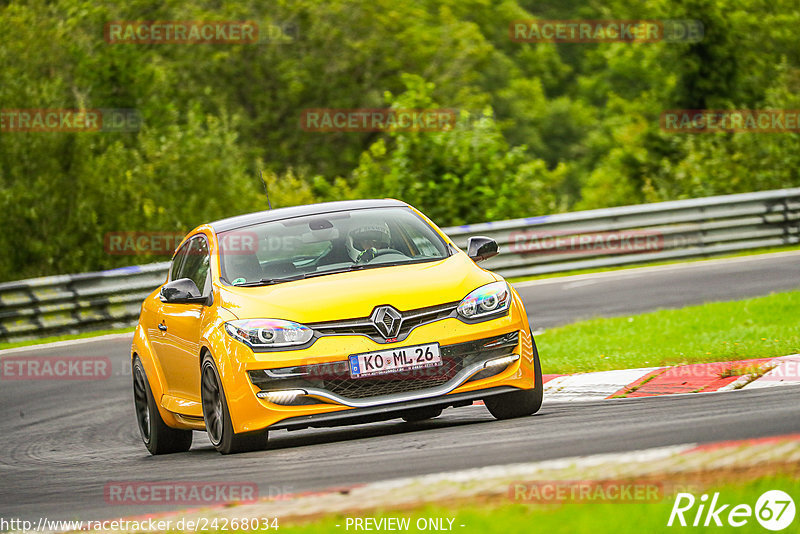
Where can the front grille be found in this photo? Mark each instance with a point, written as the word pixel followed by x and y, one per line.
pixel 374 386
pixel 365 388
pixel 335 377
pixel 365 327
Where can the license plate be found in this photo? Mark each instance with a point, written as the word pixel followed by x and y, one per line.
pixel 395 360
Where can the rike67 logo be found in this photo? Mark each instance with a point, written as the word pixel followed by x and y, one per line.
pixel 774 510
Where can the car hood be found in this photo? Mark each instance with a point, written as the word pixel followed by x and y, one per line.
pixel 355 294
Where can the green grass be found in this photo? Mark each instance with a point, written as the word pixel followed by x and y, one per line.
pixel 51 339
pixel 753 252
pixel 574 518
pixel 721 331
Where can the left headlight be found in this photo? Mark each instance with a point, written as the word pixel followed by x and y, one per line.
pixel 267 333
pixel 489 300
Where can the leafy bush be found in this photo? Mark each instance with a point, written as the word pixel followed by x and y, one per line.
pixel 543 127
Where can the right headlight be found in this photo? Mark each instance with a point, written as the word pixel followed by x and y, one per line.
pixel 267 333
pixel 487 301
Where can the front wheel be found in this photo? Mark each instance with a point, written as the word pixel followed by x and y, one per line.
pixel 218 418
pixel 156 435
pixel 519 403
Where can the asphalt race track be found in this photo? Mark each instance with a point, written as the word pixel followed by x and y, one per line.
pixel 63 441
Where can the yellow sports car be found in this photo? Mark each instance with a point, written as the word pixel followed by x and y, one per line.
pixel 326 315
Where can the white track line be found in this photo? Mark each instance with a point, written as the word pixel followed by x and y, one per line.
pixel 592 386
pixel 785 373
pixel 66 343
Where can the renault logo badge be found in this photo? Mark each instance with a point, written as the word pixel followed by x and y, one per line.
pixel 387 321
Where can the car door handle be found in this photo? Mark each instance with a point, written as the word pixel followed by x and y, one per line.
pixel 162 327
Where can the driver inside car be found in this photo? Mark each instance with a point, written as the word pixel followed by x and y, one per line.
pixel 364 242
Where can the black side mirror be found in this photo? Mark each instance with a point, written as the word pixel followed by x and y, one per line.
pixel 182 291
pixel 481 248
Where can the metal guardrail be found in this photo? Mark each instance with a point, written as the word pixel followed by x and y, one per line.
pixel 681 229
pixel 73 303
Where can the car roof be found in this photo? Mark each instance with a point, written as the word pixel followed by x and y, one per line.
pixel 249 219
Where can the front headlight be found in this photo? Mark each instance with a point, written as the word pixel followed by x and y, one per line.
pixel 489 300
pixel 265 333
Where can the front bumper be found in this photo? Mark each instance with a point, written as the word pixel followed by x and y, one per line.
pixel 331 382
pixel 373 414
pixel 330 391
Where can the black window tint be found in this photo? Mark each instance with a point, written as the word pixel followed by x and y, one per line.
pixel 326 242
pixel 177 260
pixel 195 266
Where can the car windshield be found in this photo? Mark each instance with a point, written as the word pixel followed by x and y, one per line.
pixel 316 245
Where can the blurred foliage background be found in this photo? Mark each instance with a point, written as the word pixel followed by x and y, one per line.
pixel 544 128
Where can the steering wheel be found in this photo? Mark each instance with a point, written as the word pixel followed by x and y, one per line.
pixel 383 252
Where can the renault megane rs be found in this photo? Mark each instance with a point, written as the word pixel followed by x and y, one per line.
pixel 325 315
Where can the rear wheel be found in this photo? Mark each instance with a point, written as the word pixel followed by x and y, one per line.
pixel 218 418
pixel 156 435
pixel 421 414
pixel 519 403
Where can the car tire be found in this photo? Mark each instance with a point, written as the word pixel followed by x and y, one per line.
pixel 519 403
pixel 421 414
pixel 156 435
pixel 218 418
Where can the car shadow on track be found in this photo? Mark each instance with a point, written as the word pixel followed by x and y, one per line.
pixel 282 440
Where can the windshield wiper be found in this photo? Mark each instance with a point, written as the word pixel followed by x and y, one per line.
pixel 269 281
pixel 314 274
pixel 273 281
pixel 399 262
pixel 363 266
pixel 356 267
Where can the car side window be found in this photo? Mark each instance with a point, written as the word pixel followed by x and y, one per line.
pixel 196 264
pixel 177 261
pixel 421 241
